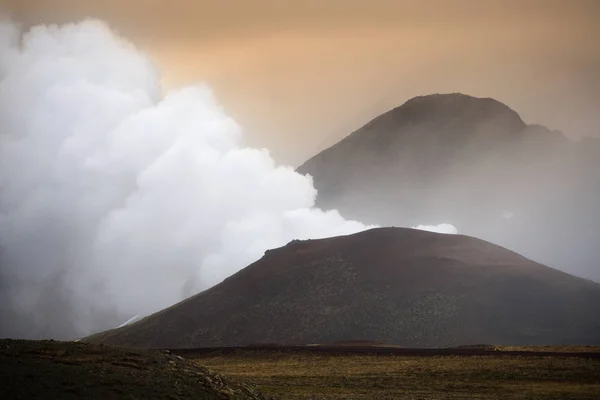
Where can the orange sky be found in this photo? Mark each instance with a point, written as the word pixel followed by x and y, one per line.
pixel 298 75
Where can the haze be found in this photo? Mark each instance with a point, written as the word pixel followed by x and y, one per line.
pixel 298 76
pixel 120 184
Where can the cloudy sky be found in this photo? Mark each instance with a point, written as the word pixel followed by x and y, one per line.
pixel 299 75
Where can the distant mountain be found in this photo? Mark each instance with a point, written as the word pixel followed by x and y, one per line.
pixel 474 163
pixel 391 285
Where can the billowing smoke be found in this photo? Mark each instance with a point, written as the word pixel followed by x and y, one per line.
pixel 447 229
pixel 116 200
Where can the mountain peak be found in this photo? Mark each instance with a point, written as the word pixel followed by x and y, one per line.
pixel 467 161
pixel 453 108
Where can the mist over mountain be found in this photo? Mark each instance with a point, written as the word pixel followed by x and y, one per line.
pixel 474 163
pixel 392 285
pixel 118 200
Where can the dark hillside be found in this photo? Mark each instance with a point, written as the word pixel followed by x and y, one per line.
pixel 391 285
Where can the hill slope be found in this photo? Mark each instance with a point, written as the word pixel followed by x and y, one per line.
pixel 392 285
pixel 474 163
pixel 68 370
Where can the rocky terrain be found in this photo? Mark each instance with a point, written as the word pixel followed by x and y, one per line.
pixel 70 370
pixel 392 285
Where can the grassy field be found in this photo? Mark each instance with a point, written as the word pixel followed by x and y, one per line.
pixel 549 349
pixel 305 375
pixel 69 370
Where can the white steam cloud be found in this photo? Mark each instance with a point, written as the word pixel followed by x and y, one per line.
pixel 116 201
pixel 447 229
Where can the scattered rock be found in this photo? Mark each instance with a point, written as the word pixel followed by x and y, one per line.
pixel 103 372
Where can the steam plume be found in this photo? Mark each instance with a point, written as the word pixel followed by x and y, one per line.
pixel 448 229
pixel 116 201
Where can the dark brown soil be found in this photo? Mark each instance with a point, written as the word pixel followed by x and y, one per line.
pixel 587 352
pixel 69 370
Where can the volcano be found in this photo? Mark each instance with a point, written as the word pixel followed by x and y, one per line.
pixel 390 285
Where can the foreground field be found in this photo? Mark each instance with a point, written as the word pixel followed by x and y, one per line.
pixel 306 375
pixel 68 370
